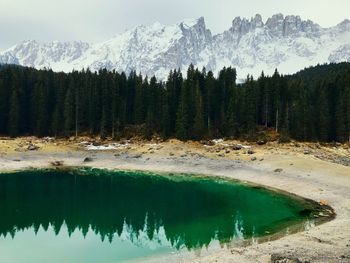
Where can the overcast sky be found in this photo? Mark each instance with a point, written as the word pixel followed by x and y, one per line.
pixel 98 20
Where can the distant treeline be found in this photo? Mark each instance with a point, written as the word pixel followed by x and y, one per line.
pixel 312 105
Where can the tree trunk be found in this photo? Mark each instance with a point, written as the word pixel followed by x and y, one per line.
pixel 113 123
pixel 76 115
pixel 277 120
pixel 266 112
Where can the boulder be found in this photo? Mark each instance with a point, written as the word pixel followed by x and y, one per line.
pixel 250 151
pixel 32 147
pixel 236 147
pixel 307 151
pixel 278 258
pixel 261 142
pixel 56 163
pixel 87 159
pixel 207 142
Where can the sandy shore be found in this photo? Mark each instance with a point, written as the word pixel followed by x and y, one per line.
pixel 317 172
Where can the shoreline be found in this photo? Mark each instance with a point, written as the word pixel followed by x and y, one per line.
pixel 288 168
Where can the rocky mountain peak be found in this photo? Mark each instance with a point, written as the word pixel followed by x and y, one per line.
pixel 275 24
pixel 257 21
pixel 344 25
pixel 201 22
pixel 250 45
pixel 291 25
pixel 190 23
pixel 242 26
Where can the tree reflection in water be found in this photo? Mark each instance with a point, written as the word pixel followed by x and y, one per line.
pixel 143 208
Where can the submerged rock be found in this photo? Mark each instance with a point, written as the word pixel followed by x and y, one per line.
pixel 305 212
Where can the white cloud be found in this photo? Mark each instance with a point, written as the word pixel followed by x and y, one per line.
pixel 97 20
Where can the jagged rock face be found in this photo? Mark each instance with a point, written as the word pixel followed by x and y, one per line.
pixel 287 43
pixel 340 54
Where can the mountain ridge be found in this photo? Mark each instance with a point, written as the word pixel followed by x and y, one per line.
pixel 250 45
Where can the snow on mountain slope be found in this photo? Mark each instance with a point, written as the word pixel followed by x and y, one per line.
pixel 287 43
pixel 56 55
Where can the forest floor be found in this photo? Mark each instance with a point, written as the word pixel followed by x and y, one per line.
pixel 320 172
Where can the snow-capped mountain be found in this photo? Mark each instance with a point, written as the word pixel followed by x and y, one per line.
pixel 287 43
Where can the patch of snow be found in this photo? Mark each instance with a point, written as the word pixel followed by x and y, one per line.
pixel 217 141
pixel 113 146
pixel 100 147
pixel 245 146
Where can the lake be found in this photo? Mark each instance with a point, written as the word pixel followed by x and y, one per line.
pixel 93 215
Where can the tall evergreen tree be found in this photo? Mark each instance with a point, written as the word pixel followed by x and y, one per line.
pixel 198 128
pixel 3 105
pixel 115 93
pixel 322 115
pixel 182 116
pixel 68 112
pixel 14 118
pixel 40 115
pixel 249 102
pixel 232 120
pixel 140 100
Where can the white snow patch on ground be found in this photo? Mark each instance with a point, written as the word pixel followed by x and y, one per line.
pixel 112 146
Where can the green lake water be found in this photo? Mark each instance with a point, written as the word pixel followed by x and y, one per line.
pixel 90 215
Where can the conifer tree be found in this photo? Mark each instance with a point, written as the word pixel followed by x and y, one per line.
pixel 232 120
pixel 210 88
pixel 198 128
pixel 323 115
pixel 182 117
pixel 347 109
pixel 4 97
pixel 249 109
pixel 165 120
pixel 276 101
pixel 151 120
pixel 140 108
pixel 55 126
pixel 57 122
pixel 115 108
pixel 103 131
pixel 77 104
pixel 68 112
pixel 14 118
pixel 40 110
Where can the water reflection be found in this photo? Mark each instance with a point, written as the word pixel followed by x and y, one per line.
pixel 146 210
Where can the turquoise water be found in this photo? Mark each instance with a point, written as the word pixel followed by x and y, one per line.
pixel 89 215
